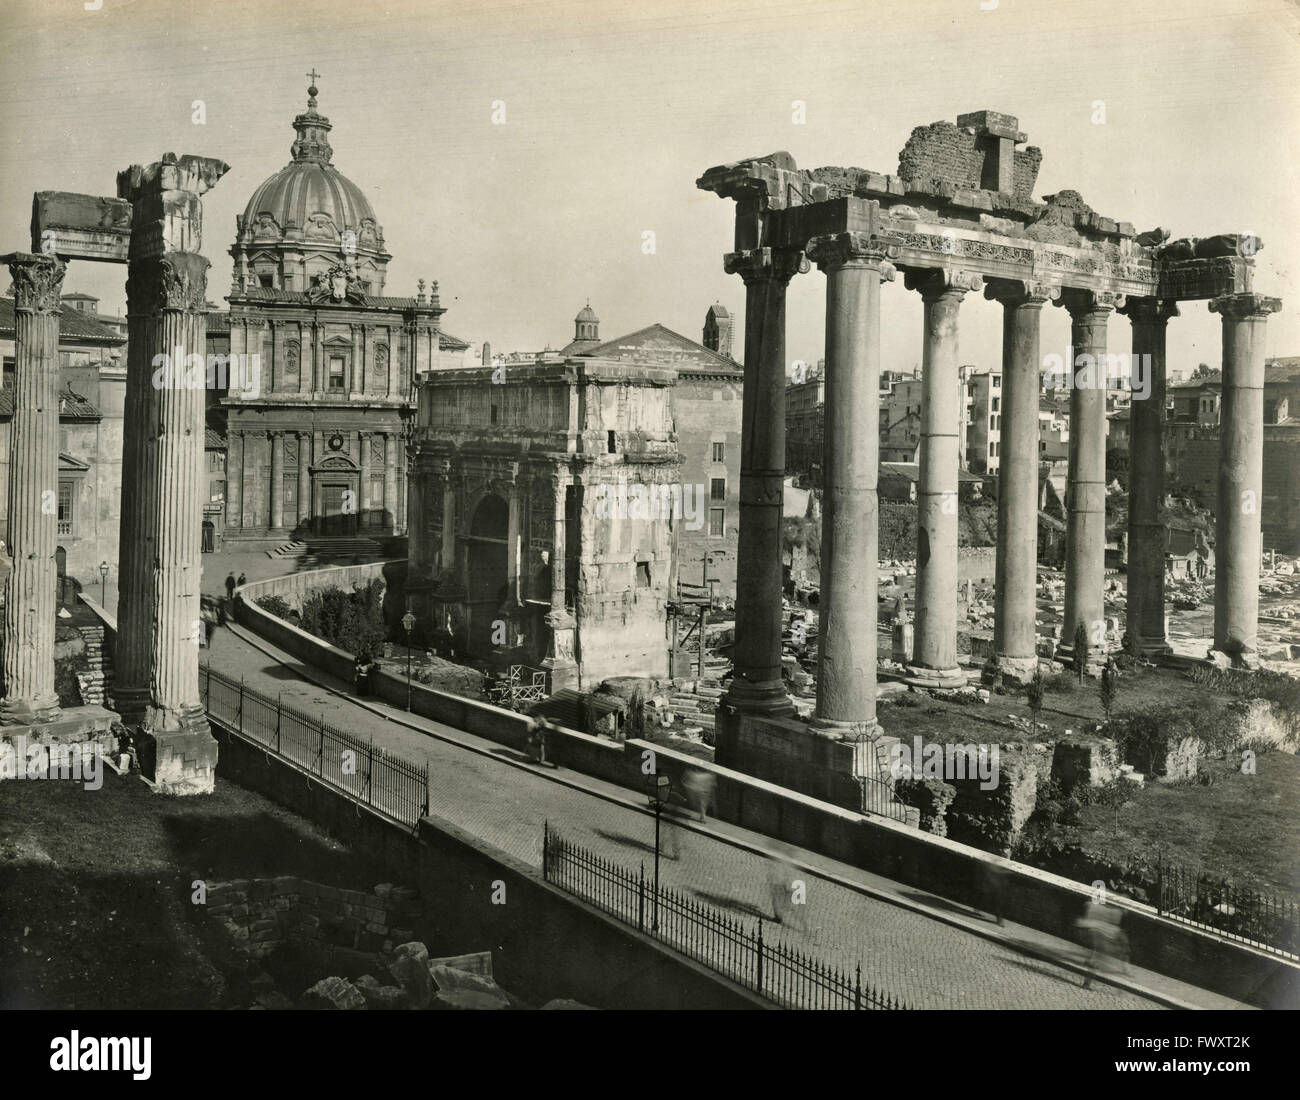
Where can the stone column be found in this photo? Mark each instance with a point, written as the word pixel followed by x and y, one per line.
pixel 559 658
pixel 1147 537
pixel 160 547
pixel 304 475
pixel 447 551
pixel 1238 541
pixel 846 666
pixel 277 480
pixel 1015 639
pixel 1085 494
pixel 934 656
pixel 363 488
pixel 390 481
pixel 756 686
pixel 30 604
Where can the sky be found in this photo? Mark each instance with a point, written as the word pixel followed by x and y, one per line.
pixel 612 111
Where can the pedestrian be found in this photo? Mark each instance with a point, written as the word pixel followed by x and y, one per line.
pixel 243 580
pixel 230 585
pixel 784 886
pixel 363 676
pixel 1105 940
pixel 995 888
pixel 700 792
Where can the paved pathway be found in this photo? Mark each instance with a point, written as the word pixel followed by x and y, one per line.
pixel 929 951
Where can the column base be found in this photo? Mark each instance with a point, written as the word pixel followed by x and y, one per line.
pixel 29 712
pixel 837 730
pixel 923 677
pixel 563 674
pixel 765 697
pixel 132 704
pixel 177 752
pixel 1016 670
pixel 1243 658
pixel 1096 657
pixel 1152 648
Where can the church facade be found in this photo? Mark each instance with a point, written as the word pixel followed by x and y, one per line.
pixel 315 434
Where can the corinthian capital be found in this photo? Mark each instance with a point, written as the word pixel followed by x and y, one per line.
pixel 1149 311
pixel 38 281
pixel 1241 307
pixel 937 282
pixel 755 264
pixel 853 249
pixel 1021 292
pixel 1080 302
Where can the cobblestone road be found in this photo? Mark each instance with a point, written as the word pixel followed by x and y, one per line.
pixel 482 788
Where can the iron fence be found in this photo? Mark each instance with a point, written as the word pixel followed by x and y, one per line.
pixel 744 954
pixel 878 798
pixel 389 784
pixel 521 684
pixel 1235 912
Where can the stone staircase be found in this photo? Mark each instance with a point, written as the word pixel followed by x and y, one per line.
pixel 288 550
pixel 96 683
pixel 341 550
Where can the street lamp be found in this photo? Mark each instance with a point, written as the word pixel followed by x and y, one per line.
pixel 408 621
pixel 660 785
pixel 103 581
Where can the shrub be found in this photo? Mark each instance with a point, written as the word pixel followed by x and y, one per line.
pixel 1080 650
pixel 1109 687
pixel 1262 683
pixel 274 605
pixel 1034 693
pixel 350 620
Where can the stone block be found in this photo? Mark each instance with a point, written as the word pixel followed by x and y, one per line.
pixel 333 993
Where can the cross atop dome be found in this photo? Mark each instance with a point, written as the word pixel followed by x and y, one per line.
pixel 313 76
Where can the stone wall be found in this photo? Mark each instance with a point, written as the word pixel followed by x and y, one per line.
pixel 262 914
pixel 944 152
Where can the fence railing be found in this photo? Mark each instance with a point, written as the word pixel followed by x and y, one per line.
pixel 522 684
pixel 774 970
pixel 393 786
pixel 1234 912
pixel 878 798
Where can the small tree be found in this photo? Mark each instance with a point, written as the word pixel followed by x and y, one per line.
pixel 1080 649
pixel 1034 694
pixel 1109 678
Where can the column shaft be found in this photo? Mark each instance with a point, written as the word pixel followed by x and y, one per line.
pixel 1238 539
pixel 756 685
pixel 935 646
pixel 390 481
pixel 1015 638
pixel 846 645
pixel 29 613
pixel 363 489
pixel 304 475
pixel 277 480
pixel 1085 532
pixel 1145 613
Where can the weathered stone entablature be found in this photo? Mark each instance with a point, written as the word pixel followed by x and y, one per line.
pixel 940 211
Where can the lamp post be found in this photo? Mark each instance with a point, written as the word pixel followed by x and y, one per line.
pixel 408 621
pixel 103 582
pixel 660 785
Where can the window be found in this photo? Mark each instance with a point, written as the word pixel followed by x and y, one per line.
pixel 494 414
pixel 9 371
pixel 997 381
pixel 217 462
pixel 1042 446
pixel 643 574
pixel 717 522
pixel 265 281
pixel 997 401
pixel 992 422
pixel 337 374
pixel 719 451
pixel 216 491
pixel 610 443
pixel 65 507
pixel 718 488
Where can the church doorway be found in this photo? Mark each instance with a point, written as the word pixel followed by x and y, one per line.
pixel 338 513
pixel 488 571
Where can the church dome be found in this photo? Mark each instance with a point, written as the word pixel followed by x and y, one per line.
pixel 307 218
pixel 586 313
pixel 306 188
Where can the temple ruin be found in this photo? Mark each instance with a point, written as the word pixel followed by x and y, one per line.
pixel 959 216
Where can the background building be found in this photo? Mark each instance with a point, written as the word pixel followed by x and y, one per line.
pixel 317 446
pixel 92 387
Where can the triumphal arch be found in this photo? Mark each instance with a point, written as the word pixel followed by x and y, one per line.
pixel 958 217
